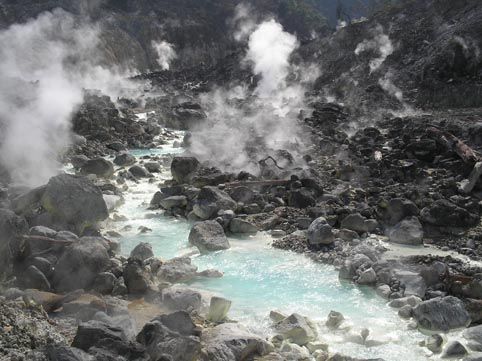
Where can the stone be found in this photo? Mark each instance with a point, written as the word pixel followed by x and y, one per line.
pixel 78 161
pixel 367 277
pixel 320 232
pixel 467 185
pixel 296 329
pixel 12 227
pixel 356 222
pixel 403 301
pixel 174 202
pixel 351 265
pixel 124 160
pixel 218 309
pixel 474 337
pixel 184 168
pixel 178 269
pixel 34 278
pixel 66 353
pixel 179 322
pixel 230 341
pixel 397 210
pixel 80 263
pixel 276 316
pixel 441 314
pixel 210 201
pixel 408 232
pixel 74 201
pixel 99 166
pixel 242 194
pixel 42 231
pixel 139 172
pixel 334 320
pixel 241 226
pixel 153 167
pixel 137 278
pixel 301 198
pixel 454 349
pixel 104 283
pixel 405 311
pixel 444 213
pixel 91 332
pixel 434 343
pixel 384 291
pixel 414 283
pixel 142 252
pixel 208 236
pixel 181 299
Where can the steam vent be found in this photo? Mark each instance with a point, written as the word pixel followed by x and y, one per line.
pixel 240 180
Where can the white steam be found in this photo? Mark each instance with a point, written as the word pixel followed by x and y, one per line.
pixel 245 125
pixel 165 53
pixel 44 65
pixel 243 21
pixel 380 43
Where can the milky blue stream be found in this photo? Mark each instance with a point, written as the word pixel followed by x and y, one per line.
pixel 258 279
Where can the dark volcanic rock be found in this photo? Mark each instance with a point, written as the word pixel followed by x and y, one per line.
pixel 208 236
pixel 12 227
pixel 441 314
pixel 446 214
pixel 184 168
pixel 98 166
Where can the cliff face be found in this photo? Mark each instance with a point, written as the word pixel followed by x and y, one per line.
pixel 199 30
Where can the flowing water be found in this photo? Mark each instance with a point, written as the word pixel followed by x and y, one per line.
pixel 258 279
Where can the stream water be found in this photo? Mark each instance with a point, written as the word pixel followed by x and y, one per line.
pixel 259 278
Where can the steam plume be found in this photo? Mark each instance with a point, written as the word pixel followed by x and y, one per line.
pixel 44 65
pixel 165 53
pixel 380 43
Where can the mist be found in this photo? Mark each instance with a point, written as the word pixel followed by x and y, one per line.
pixel 244 124
pixel 380 43
pixel 45 65
pixel 165 53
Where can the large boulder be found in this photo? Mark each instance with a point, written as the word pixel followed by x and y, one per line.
pixel 208 236
pixel 396 210
pixel 241 226
pixel 441 314
pixel 231 341
pixel 80 263
pixel 181 299
pixel 297 329
pixel 91 332
pixel 320 232
pixel 124 160
pixel 184 168
pixel 141 252
pixel 178 269
pixel 12 227
pixel 210 201
pixel 137 278
pixel 446 214
pixel 356 222
pixel 474 337
pixel 74 201
pixel 99 166
pixel 408 232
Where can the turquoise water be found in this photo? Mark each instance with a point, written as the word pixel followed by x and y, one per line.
pixel 258 279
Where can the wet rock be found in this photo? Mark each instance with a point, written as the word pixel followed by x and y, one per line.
pixel 173 202
pixel 441 314
pixel 42 231
pixel 230 341
pixel 34 278
pixel 409 232
pixel 178 269
pixel 153 167
pixel 446 214
pixel 78 161
pixel 218 309
pixel 296 329
pixel 91 332
pixel 404 301
pixel 142 252
pixel 240 226
pixel 356 222
pixel 276 316
pixel 434 343
pixel 184 168
pixel 405 311
pixel 124 160
pixel 99 166
pixel 334 320
pixel 120 288
pixel 210 201
pixel 352 264
pixel 242 194
pixel 384 291
pixel 474 337
pixel 12 227
pixel 80 263
pixel 398 209
pixel 163 343
pixel 137 278
pixel 367 277
pixel 139 172
pixel 300 198
pixel 181 299
pixel 208 236
pixel 74 201
pixel 413 282
pixel 454 349
pixel 27 203
pixel 104 283
pixel 320 232
pixel 347 235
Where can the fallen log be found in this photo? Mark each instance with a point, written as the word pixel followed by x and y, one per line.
pixel 466 153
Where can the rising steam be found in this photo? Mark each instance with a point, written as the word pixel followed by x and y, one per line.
pixel 44 65
pixel 380 43
pixel 165 53
pixel 246 125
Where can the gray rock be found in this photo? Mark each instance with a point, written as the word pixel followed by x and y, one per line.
pixel 434 343
pixel 210 201
pixel 296 329
pixel 208 236
pixel 104 283
pixel 66 353
pixel 184 168
pixel 174 202
pixel 441 314
pixel 398 209
pixel 384 291
pixel 367 277
pixel 78 161
pixel 42 231
pixel 409 232
pixel 141 252
pixel 99 166
pixel 240 226
pixel 351 265
pixel 320 232
pixel 124 160
pixel 446 214
pixel 474 337
pixel 230 341
pixel 334 320
pixel 91 332
pixel 74 201
pixel 139 172
pixel 403 301
pixel 137 278
pixel 242 194
pixel 218 309
pixel 454 349
pixel 356 222
pixel 12 227
pixel 405 311
pixel 153 167
pixel 80 263
pixel 181 299
pixel 178 269
pixel 34 278
pixel 413 282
